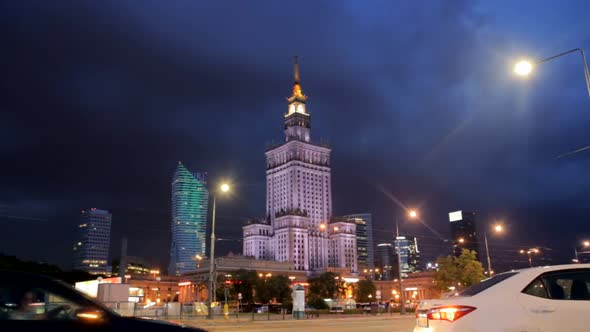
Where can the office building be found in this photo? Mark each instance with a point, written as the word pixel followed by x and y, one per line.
pixel 91 250
pixel 463 231
pixel 190 199
pixel 386 262
pixel 364 239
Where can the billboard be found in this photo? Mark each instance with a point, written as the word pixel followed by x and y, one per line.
pixel 455 216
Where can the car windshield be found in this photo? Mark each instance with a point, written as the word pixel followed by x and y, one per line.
pixel 478 288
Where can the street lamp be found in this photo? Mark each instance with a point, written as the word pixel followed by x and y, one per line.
pixel 525 67
pixel 585 245
pixel 224 188
pixel 412 214
pixel 498 228
pixel 529 252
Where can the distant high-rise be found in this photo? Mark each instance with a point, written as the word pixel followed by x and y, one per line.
pixel 463 231
pixel 414 264
pixel 364 239
pixel 402 244
pixel 387 261
pixel 190 199
pixel 91 251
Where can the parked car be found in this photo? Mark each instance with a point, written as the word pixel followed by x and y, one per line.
pixel 30 302
pixel 547 299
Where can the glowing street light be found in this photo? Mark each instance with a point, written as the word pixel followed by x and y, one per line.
pixel 498 228
pixel 411 214
pixel 461 240
pixel 525 67
pixel 586 243
pixel 223 188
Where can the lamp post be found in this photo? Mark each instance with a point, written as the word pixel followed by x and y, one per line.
pixel 585 245
pixel 529 252
pixel 498 228
pixel 224 188
pixel 525 67
pixel 412 214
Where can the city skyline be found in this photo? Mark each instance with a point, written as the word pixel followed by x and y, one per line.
pixel 441 126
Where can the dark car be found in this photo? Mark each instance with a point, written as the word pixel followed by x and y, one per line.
pixel 30 302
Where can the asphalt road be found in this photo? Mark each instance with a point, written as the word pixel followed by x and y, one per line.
pixel 366 324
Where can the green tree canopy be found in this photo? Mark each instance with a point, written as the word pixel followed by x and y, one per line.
pixel 459 272
pixel 364 289
pixel 244 282
pixel 328 285
pixel 274 288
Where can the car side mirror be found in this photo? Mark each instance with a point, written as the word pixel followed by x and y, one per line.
pixel 90 315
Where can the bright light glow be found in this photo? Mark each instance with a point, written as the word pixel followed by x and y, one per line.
pixel 322 226
pixel 450 314
pixel 224 187
pixel 186 283
pixel 88 315
pixel 586 243
pixel 411 289
pixel 455 216
pixel 461 240
pixel 498 228
pixel 351 280
pixel 376 270
pixel 336 228
pixel 536 251
pixel 522 251
pixel 413 214
pixel 394 292
pixel 523 68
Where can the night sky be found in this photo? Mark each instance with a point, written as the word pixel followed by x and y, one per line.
pixel 99 100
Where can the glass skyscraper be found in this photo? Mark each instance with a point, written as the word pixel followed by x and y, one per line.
pixel 190 199
pixel 364 239
pixel 463 232
pixel 91 251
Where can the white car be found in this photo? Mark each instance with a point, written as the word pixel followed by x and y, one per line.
pixel 539 299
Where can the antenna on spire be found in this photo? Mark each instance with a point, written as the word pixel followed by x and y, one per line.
pixel 296 71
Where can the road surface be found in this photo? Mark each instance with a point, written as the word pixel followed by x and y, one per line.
pixel 365 324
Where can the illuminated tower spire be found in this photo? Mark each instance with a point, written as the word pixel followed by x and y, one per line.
pixel 297 120
pixel 296 71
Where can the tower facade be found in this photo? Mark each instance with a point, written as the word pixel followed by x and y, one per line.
pixel 91 251
pixel 364 239
pixel 190 199
pixel 463 231
pixel 298 197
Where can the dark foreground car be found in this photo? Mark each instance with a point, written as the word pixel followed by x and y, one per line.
pixel 31 302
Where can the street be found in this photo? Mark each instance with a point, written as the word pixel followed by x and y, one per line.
pixel 373 324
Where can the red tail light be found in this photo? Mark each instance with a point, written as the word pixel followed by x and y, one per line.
pixel 449 313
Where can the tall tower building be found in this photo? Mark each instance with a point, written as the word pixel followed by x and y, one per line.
pixel 297 226
pixel 364 239
pixel 298 188
pixel 190 199
pixel 463 231
pixel 387 261
pixel 410 254
pixel 91 251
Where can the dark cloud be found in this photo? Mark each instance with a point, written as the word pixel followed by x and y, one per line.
pixel 99 101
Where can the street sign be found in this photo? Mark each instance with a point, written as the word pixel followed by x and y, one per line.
pixel 239 296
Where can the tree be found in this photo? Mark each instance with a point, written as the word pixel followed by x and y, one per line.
pixel 276 288
pixel 364 289
pixel 244 282
pixel 328 285
pixel 459 272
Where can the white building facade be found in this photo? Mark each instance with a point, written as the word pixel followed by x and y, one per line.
pixel 298 198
